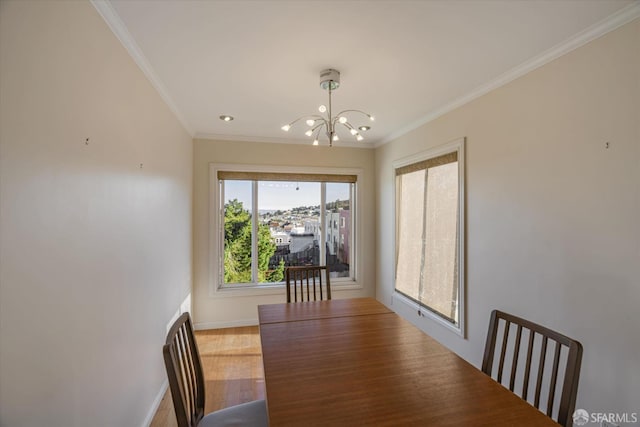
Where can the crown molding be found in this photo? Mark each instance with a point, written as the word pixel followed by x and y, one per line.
pixel 105 9
pixel 614 21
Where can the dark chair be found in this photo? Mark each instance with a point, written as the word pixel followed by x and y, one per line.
pixel 307 279
pixel 565 368
pixel 186 381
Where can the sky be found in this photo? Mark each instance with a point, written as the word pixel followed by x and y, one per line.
pixel 284 195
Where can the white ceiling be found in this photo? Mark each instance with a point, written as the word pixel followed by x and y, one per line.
pixel 405 62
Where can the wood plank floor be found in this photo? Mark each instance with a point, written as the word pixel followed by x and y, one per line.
pixel 232 365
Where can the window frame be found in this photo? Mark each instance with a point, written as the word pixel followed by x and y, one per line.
pixel 217 287
pixel 421 308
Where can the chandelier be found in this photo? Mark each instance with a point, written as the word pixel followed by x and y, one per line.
pixel 326 122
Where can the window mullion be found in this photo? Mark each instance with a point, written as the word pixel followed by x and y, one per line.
pixel 254 232
pixel 323 224
pixel 221 240
pixel 352 228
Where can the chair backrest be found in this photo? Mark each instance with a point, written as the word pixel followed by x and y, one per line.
pixel 564 371
pixel 306 283
pixel 184 369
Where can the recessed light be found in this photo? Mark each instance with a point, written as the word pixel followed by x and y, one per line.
pixel 364 128
pixel 226 118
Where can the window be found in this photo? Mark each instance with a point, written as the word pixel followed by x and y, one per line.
pixel 429 232
pixel 270 220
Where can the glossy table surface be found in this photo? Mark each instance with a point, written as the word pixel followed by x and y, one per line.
pixel 356 363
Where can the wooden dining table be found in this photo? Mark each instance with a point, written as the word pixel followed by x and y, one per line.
pixel 354 362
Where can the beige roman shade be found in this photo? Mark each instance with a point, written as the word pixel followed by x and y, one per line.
pixel 279 176
pixel 428 163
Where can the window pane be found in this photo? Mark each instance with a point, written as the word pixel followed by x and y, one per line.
pixel 441 224
pixel 237 231
pixel 338 228
pixel 427 238
pixel 410 190
pixel 289 227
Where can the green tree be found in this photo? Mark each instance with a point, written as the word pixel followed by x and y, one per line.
pixel 237 247
pixel 266 249
pixel 237 257
pixel 236 218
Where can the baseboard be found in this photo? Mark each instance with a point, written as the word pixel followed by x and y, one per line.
pixel 221 325
pixel 156 404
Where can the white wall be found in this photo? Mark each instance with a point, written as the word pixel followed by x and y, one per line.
pixel 553 216
pixel 215 311
pixel 95 252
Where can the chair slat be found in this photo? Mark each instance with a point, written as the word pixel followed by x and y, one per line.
pixel 543 355
pixel 314 287
pixel 503 352
pixel 514 361
pixel 309 280
pixel 554 378
pixel 527 372
pixel 189 385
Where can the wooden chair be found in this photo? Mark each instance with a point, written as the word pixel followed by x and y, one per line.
pixel 186 381
pixel 309 279
pixel 565 369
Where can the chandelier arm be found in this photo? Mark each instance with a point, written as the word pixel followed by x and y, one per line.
pixel 317 118
pixel 351 128
pixel 348 125
pixel 356 111
pixel 317 137
pixel 310 116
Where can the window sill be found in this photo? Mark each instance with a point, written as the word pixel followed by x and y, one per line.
pixel 427 314
pixel 277 289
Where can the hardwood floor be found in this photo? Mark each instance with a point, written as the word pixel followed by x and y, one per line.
pixel 232 365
